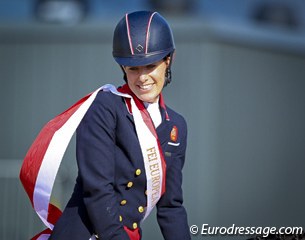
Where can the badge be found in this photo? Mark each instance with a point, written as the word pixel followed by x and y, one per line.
pixel 174 134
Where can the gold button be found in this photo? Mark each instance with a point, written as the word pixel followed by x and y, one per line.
pixel 138 172
pixel 146 192
pixel 121 219
pixel 129 184
pixel 134 225
pixel 123 202
pixel 141 209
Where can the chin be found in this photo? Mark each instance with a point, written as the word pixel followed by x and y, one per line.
pixel 149 99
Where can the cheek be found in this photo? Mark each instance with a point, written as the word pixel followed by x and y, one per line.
pixel 159 75
pixel 131 78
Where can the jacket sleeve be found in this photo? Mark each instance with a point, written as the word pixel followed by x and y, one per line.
pixel 171 214
pixel 96 162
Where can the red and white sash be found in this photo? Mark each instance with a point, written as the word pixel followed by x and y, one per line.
pixel 42 161
pixel 151 150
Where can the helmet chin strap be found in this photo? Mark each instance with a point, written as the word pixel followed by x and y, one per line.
pixel 168 72
pixel 168 76
pixel 124 76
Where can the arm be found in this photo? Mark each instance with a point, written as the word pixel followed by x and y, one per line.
pixel 171 214
pixel 96 163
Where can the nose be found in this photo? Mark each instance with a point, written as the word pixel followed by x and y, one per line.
pixel 143 77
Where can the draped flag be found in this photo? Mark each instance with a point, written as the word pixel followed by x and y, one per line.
pixel 42 161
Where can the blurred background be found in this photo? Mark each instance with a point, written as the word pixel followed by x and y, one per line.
pixel 238 78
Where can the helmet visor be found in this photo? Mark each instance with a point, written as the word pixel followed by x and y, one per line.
pixel 141 60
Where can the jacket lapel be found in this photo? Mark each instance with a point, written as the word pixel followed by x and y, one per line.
pixel 163 130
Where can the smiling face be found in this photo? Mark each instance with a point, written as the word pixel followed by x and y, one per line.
pixel 147 82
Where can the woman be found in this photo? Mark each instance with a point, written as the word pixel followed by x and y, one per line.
pixel 130 146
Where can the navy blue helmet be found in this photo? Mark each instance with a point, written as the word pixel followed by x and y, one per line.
pixel 142 38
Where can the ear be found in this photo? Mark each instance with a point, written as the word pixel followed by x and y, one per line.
pixel 167 61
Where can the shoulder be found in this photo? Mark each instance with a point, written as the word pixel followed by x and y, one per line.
pixel 105 97
pixel 107 100
pixel 103 112
pixel 105 104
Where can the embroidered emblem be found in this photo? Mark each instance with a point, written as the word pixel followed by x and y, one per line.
pixel 139 48
pixel 174 134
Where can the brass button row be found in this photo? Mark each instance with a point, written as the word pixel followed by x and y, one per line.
pixel 140 208
pixel 138 173
pixel 134 225
pixel 124 201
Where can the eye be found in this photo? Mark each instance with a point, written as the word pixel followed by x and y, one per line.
pixel 151 66
pixel 132 68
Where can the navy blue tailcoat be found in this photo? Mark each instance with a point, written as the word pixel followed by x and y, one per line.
pixel 110 188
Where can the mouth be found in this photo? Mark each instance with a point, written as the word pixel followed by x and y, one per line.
pixel 146 87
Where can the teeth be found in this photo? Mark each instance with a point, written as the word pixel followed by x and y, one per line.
pixel 145 87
